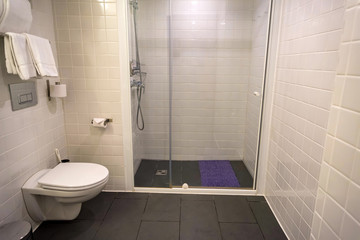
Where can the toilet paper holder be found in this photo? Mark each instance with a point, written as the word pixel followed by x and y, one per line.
pixel 107 120
pixel 49 90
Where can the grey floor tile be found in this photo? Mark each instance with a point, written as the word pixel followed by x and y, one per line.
pixel 70 230
pixel 159 231
pixel 198 210
pixel 123 220
pixel 162 207
pixel 240 231
pixel 122 230
pixel 196 197
pixel 97 207
pixel 140 216
pixel 132 195
pixel 267 221
pixel 242 174
pixel 191 173
pixel 199 221
pixel 255 199
pixel 233 209
pixel 144 176
pixel 126 210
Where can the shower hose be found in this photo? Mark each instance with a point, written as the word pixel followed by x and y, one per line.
pixel 139 115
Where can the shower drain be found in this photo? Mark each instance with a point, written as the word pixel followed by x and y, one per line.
pixel 161 172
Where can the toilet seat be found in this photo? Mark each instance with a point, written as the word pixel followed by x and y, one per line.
pixel 74 177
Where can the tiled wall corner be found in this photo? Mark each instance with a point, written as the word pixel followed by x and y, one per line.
pixel 88 54
pixel 29 136
pixel 308 56
pixel 337 212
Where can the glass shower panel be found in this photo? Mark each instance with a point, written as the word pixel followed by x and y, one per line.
pixel 217 65
pixel 204 63
pixel 151 145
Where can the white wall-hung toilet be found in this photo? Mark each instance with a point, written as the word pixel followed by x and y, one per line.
pixel 57 194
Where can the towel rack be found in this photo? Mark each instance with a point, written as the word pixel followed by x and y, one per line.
pixel 4 34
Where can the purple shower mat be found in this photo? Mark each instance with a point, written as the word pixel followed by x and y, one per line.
pixel 217 173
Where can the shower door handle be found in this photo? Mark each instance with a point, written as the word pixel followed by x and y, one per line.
pixel 257 94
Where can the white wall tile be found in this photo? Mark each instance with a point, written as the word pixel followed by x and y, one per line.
pixel 341 187
pixel 351 99
pixel 29 136
pixel 326 233
pixel 348 122
pixel 350 229
pixel 354 58
pixel 355 176
pixel 310 39
pixel 333 214
pixel 343 157
pixel 352 203
pixel 93 85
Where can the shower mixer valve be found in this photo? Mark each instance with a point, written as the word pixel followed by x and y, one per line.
pixel 136 83
pixel 134 68
pixel 137 77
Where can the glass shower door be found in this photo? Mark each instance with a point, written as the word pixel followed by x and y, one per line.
pixel 151 145
pixel 217 64
pixel 204 62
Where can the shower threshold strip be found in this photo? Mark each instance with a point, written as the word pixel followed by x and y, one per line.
pixel 212 191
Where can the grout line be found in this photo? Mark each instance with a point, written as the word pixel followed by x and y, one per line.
pixel 217 217
pixel 102 220
pixel 180 199
pixel 138 231
pixel 159 221
pixel 256 220
pixel 248 203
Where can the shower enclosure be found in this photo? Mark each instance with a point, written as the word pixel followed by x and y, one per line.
pixel 197 82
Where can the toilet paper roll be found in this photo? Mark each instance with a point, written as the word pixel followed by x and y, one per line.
pixel 99 122
pixel 58 90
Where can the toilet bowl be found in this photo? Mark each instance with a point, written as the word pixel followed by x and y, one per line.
pixel 57 194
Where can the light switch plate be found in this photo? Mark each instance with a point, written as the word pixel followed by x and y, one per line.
pixel 22 95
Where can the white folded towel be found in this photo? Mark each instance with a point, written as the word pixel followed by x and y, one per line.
pixel 9 61
pixel 42 55
pixel 18 50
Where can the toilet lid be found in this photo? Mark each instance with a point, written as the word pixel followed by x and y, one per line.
pixel 74 176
